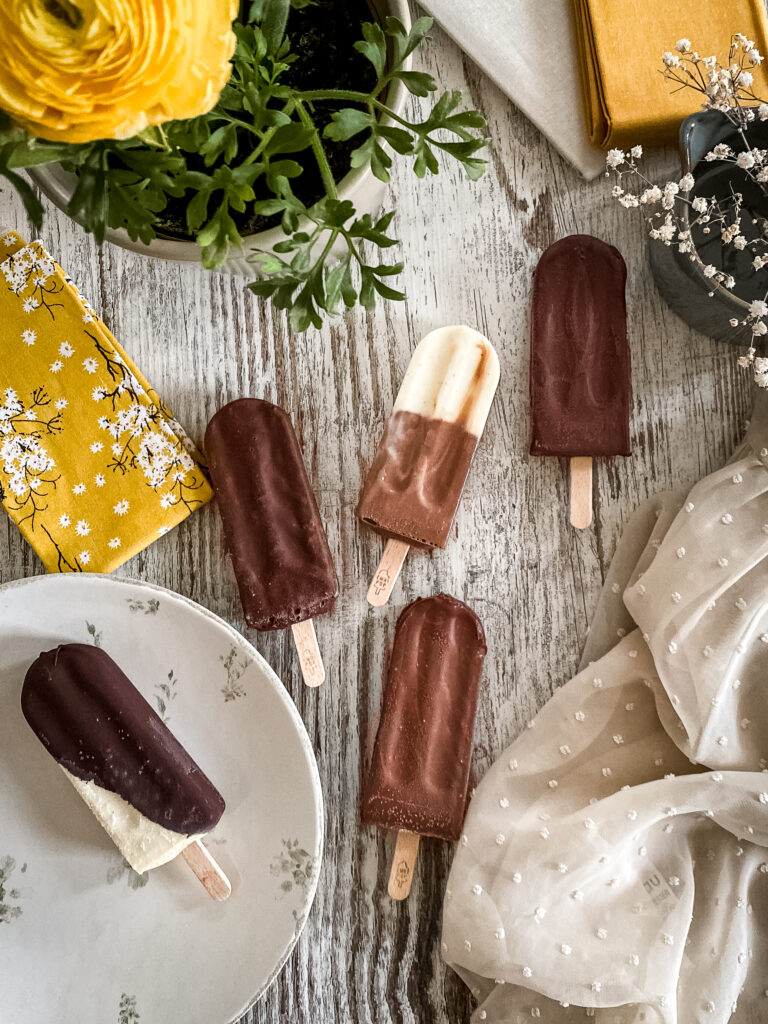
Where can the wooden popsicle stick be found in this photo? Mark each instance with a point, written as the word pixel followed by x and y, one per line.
pixel 386 575
pixel 403 864
pixel 200 860
pixel 309 653
pixel 581 492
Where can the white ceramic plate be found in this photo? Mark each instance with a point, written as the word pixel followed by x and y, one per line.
pixel 83 939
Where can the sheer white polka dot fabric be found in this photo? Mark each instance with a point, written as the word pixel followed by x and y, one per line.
pixel 614 863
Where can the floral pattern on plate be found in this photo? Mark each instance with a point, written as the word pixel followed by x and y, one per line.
pixel 232 713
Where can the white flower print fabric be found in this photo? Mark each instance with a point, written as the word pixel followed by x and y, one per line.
pixel 93 467
pixel 614 863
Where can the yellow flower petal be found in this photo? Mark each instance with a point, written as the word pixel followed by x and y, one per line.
pixel 79 70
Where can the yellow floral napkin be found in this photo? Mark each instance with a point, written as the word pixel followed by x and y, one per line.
pixel 621 44
pixel 93 467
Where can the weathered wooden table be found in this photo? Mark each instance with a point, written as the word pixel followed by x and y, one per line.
pixel 470 253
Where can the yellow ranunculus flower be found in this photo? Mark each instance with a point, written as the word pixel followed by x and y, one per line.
pixel 79 70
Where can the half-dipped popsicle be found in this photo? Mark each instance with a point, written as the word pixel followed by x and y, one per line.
pixel 417 781
pixel 272 524
pixel 138 780
pixel 580 361
pixel 413 487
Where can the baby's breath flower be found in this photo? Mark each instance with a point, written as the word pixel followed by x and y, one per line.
pixel 686 183
pixel 761 372
pixel 700 204
pixel 636 152
pixel 762 111
pixel 758 308
pixel 614 158
pixel 708 270
pixel 651 195
pixel 628 200
pixel 617 191
pixel 683 45
pixel 670 191
pixel 754 57
pixel 746 78
pixel 721 152
pixel 740 242
pixel 733 322
pixel 671 59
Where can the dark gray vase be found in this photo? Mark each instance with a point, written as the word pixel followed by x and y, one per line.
pixel 679 279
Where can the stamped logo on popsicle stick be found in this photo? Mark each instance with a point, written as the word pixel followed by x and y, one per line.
pixel 309 653
pixel 403 864
pixel 389 569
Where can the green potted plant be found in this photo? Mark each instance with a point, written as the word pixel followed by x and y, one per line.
pixel 281 179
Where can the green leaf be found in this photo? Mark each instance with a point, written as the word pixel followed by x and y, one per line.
pixel 372 153
pixel 373 46
pixel 388 269
pixel 89 203
pixel 223 142
pixel 348 122
pixel 419 83
pixel 367 296
pixel 32 153
pixel 348 290
pixel 334 283
pixel 197 210
pixel 274 18
pixel 264 288
pixel 406 42
pixel 386 292
pixel 425 159
pixel 399 139
pixel 290 138
pixel 217 235
pixel 383 222
pixel 474 169
pixel 268 207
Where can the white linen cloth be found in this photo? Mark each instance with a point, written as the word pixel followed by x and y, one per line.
pixel 614 858
pixel 529 49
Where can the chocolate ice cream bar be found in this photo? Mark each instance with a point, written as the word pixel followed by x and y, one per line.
pixel 580 361
pixel 413 487
pixel 143 787
pixel 274 533
pixel 417 781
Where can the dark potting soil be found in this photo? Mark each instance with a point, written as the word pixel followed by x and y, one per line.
pixel 323 36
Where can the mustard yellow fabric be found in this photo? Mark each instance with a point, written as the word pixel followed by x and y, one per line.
pixel 621 43
pixel 93 467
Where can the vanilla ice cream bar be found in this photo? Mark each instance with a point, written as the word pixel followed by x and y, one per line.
pixel 415 482
pixel 143 787
pixel 416 478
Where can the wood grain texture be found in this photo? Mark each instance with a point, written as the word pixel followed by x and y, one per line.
pixel 470 251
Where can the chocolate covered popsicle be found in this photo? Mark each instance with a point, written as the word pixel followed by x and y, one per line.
pixel 272 524
pixel 415 481
pixel 580 360
pixel 419 772
pixel 138 780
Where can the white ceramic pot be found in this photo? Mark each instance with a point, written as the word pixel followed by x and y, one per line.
pixel 360 186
